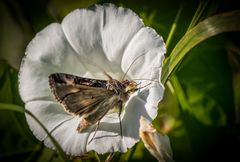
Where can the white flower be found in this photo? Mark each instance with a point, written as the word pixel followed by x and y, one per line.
pixel 157 144
pixel 110 37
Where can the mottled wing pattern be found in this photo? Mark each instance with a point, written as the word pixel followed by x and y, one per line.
pixel 101 109
pixel 62 84
pixel 82 96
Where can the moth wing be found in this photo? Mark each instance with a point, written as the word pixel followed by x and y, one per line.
pixel 81 96
pixel 89 104
pixel 64 84
pixel 78 95
pixel 86 101
pixel 101 109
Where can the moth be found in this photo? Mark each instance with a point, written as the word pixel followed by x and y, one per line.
pixel 91 99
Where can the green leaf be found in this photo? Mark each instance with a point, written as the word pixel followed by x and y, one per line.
pixel 233 51
pixel 9 94
pixel 211 26
pixel 205 76
pixel 198 14
pixel 5 87
pixel 205 95
pixel 12 107
pixel 174 26
pixel 48 155
pixel 55 143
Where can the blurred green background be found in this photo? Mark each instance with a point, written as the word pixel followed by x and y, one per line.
pixel 201 107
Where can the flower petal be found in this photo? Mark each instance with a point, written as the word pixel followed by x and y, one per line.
pixel 109 130
pixel 145 52
pixel 157 144
pixel 72 142
pixel 119 27
pixel 152 96
pixel 47 53
pixel 49 113
pixel 82 28
pixel 100 34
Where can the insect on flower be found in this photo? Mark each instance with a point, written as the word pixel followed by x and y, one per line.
pixel 59 72
pixel 91 99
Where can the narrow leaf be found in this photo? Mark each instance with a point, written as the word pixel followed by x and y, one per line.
pixel 174 26
pixel 211 26
pixel 12 107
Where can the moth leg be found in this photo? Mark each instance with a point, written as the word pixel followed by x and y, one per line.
pixel 119 115
pixel 82 125
pixel 95 131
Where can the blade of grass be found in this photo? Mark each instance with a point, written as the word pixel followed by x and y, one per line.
pixel 233 51
pixel 180 95
pixel 209 27
pixel 97 157
pixel 174 26
pixel 12 107
pixel 184 107
pixel 110 157
pixel 198 14
pixel 55 143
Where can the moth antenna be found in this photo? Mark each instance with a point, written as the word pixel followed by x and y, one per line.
pixel 95 132
pixel 144 86
pixel 103 71
pixel 148 80
pixel 131 65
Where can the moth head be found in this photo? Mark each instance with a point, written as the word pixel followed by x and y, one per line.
pixel 131 86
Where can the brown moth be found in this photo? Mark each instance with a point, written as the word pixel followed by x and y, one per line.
pixel 91 99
